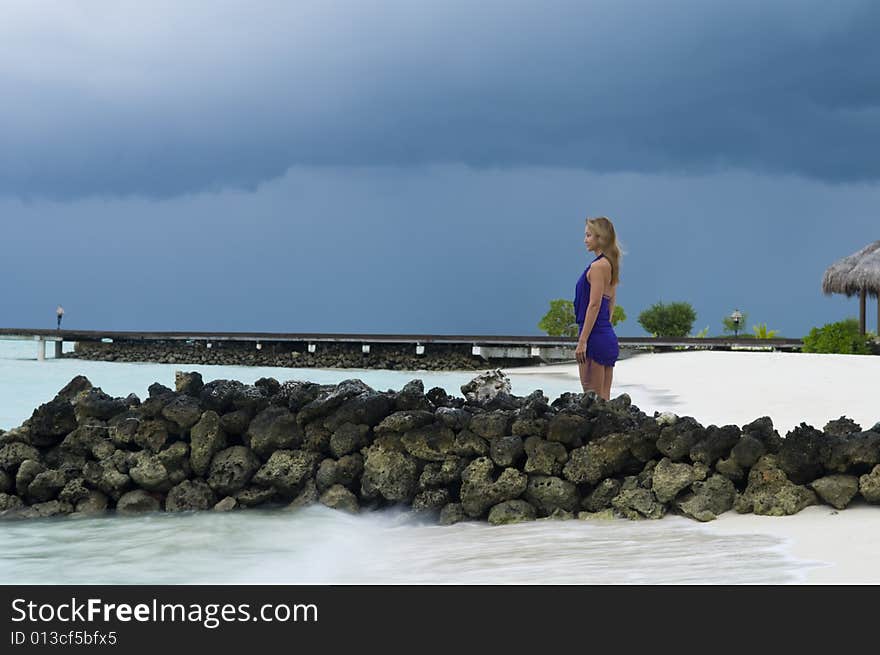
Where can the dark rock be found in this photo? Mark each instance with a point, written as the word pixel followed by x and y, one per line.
pixel 842 427
pixel 390 474
pixel 45 486
pixel 6 482
pixel 317 438
pixel 51 422
pixel 506 451
pixel 432 443
pixel 106 477
pixel 638 504
pixel 443 474
pixel 451 514
pixel 75 387
pixel 349 438
pixel 270 386
pixel 530 427
pixel 250 399
pixel 74 492
pixel 10 502
pixel 207 438
pixel 28 470
pixel 675 441
pixel 235 423
pixel 13 454
pixel 150 473
pixel 747 451
pixel 670 478
pixel 94 403
pixel 431 500
pixel 544 457
pixel 479 489
pixel 762 430
pixel 46 510
pixel 328 401
pixel 600 459
pixel 467 444
pixel 157 390
pixel 338 497
pixel 771 493
pixel 511 511
pixel 453 418
pixel 438 397
pixel 308 496
pixel 802 453
pixel 287 470
pixel 121 430
pixel 571 430
pixel 219 395
pixel 184 411
pixel 869 485
pixel 491 425
pixel 404 421
pixel 412 397
pixel 836 490
pixel 716 444
pixel 857 453
pixel 231 469
pixel 190 384
pixel 300 394
pixel 275 428
pixel 226 505
pixel 190 495
pixel 600 498
pixel 151 435
pixel 255 496
pixel 730 470
pixel 95 503
pixel 548 493
pixel 708 499
pixel 137 502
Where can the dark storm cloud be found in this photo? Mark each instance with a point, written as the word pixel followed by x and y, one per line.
pixel 161 100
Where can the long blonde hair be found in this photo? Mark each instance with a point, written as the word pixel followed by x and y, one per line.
pixel 603 228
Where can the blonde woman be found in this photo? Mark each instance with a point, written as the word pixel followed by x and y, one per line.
pixel 594 297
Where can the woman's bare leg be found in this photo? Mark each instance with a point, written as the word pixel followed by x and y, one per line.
pixel 606 388
pixel 597 377
pixel 584 372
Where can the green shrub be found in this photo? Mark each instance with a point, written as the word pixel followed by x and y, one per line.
pixel 672 320
pixel 619 315
pixel 559 321
pixel 842 337
pixel 761 331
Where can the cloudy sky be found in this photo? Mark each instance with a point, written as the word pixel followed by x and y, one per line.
pixel 407 166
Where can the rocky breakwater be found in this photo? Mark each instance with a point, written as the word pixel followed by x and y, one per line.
pixel 486 456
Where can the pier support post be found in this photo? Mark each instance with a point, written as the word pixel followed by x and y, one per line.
pixel 41 349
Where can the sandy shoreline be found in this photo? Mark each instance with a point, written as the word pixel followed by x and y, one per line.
pixel 738 387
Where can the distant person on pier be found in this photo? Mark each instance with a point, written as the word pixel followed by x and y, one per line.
pixel 594 298
pixel 59 314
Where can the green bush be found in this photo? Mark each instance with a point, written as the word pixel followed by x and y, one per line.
pixel 619 315
pixel 761 331
pixel 559 321
pixel 842 337
pixel 672 320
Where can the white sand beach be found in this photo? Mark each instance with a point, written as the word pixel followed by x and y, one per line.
pixel 738 387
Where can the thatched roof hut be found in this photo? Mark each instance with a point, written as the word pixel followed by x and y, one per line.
pixel 857 274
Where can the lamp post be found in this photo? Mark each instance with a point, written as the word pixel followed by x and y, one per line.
pixel 736 317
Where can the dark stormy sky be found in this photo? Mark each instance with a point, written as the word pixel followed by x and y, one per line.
pixel 395 166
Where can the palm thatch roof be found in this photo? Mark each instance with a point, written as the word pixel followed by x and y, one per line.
pixel 855 273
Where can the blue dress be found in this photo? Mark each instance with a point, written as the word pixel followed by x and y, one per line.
pixel 602 346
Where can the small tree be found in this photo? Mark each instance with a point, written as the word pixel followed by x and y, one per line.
pixel 730 327
pixel 672 320
pixel 619 315
pixel 559 321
